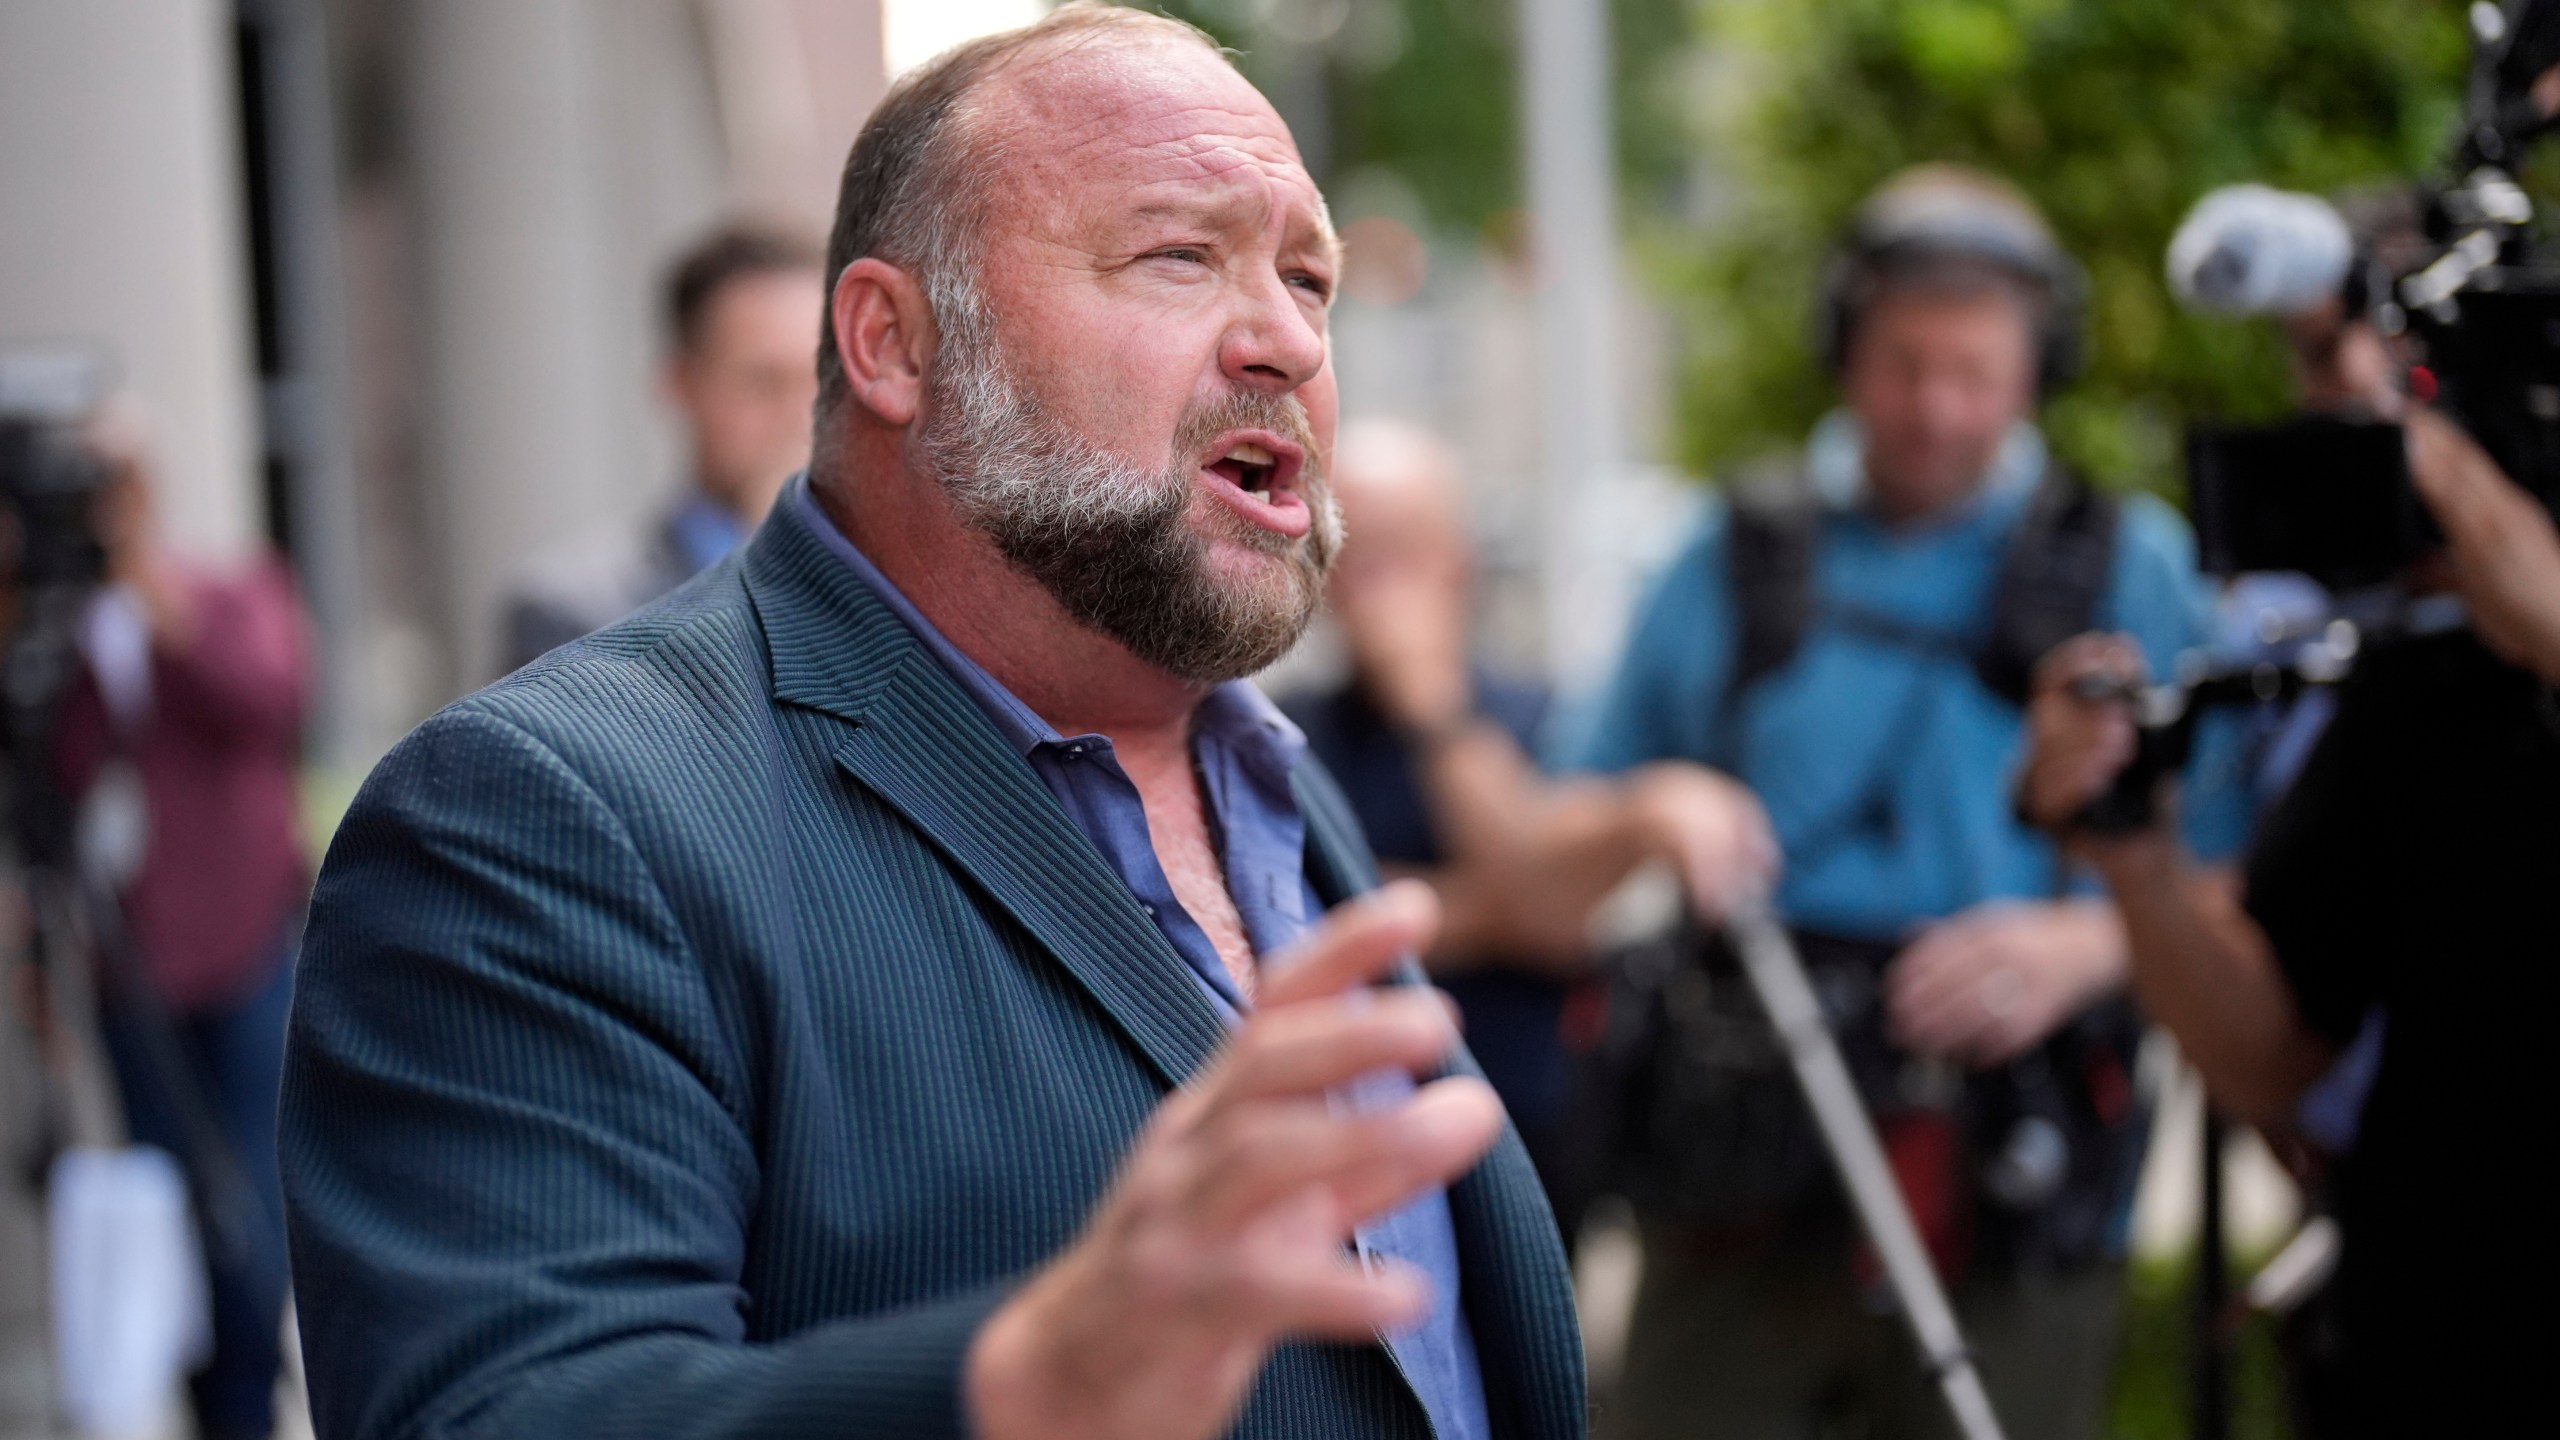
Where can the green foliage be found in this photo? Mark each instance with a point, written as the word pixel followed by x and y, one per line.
pixel 1428 90
pixel 2153 1387
pixel 2115 115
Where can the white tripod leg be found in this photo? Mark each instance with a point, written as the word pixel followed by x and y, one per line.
pixel 1769 960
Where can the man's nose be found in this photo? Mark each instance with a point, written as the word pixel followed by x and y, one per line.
pixel 1275 343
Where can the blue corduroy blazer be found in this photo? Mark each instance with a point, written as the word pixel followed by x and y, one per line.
pixel 699 1032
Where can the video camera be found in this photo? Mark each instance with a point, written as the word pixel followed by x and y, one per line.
pixel 51 561
pixel 2330 497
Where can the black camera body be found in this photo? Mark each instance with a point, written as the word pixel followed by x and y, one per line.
pixel 2318 495
pixel 51 562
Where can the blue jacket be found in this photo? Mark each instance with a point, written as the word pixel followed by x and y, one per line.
pixel 701 1031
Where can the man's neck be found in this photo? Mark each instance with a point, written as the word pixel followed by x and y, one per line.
pixel 1899 506
pixel 1079 681
pixel 1899 513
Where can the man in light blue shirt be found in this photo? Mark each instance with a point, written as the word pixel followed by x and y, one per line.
pixel 1976 985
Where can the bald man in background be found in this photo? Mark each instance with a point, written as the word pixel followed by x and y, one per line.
pixel 1434 749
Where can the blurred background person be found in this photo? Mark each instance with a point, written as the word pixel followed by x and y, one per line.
pixel 2341 365
pixel 1851 640
pixel 1434 748
pixel 181 743
pixel 740 374
pixel 2406 872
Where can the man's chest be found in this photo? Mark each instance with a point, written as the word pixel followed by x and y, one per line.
pixel 1182 831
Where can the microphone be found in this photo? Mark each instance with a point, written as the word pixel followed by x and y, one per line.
pixel 2253 250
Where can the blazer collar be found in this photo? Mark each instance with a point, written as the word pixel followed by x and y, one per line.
pixel 916 739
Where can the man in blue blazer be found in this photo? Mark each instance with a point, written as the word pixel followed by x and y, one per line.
pixel 887 988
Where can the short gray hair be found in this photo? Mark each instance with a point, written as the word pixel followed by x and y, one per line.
pixel 916 181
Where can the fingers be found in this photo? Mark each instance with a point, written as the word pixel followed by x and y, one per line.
pixel 1984 986
pixel 1712 829
pixel 1304 1049
pixel 1365 1164
pixel 1948 989
pixel 1358 943
pixel 2080 727
pixel 1277 1289
pixel 2092 656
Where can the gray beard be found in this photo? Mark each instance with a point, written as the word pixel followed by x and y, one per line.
pixel 1107 538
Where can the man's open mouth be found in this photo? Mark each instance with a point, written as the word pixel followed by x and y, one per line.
pixel 1258 473
pixel 1251 468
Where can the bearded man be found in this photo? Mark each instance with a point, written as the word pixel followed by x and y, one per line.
pixel 842 999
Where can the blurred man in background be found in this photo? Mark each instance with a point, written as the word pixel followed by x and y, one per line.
pixel 1852 640
pixel 1434 751
pixel 2342 365
pixel 181 742
pixel 2408 868
pixel 742 322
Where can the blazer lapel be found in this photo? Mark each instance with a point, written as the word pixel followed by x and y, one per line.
pixel 917 740
pixel 1518 1289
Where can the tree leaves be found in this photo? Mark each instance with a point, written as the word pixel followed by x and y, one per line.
pixel 2115 115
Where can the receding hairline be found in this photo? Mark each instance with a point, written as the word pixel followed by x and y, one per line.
pixel 1076 32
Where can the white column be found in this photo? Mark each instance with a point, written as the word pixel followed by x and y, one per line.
pixel 119 161
pixel 1573 203
pixel 512 319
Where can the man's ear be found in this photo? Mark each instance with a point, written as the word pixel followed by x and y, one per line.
pixel 884 337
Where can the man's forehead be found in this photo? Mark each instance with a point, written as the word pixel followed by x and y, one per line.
pixel 1158 119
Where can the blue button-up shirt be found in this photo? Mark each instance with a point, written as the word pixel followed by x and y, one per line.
pixel 1244 749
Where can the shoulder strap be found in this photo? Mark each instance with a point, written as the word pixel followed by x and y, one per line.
pixel 1774 523
pixel 2052 578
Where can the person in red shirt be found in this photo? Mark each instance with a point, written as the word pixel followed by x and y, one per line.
pixel 181 741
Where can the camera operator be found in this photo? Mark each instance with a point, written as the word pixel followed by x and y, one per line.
pixel 182 734
pixel 2412 866
pixel 1853 642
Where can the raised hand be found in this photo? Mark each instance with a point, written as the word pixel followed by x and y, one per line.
pixel 2077 741
pixel 1227 1231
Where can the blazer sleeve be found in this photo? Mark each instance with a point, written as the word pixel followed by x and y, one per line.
pixel 517 1145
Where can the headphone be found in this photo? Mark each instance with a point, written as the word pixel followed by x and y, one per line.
pixel 1943 212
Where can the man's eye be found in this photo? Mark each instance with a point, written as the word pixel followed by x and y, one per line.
pixel 1315 285
pixel 1190 254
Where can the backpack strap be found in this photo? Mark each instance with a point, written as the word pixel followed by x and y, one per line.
pixel 2053 576
pixel 2052 580
pixel 1770 538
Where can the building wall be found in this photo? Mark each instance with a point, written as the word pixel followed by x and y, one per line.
pixel 122 225
pixel 541 163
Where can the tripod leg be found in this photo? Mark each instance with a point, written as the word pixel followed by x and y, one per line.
pixel 1769 960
